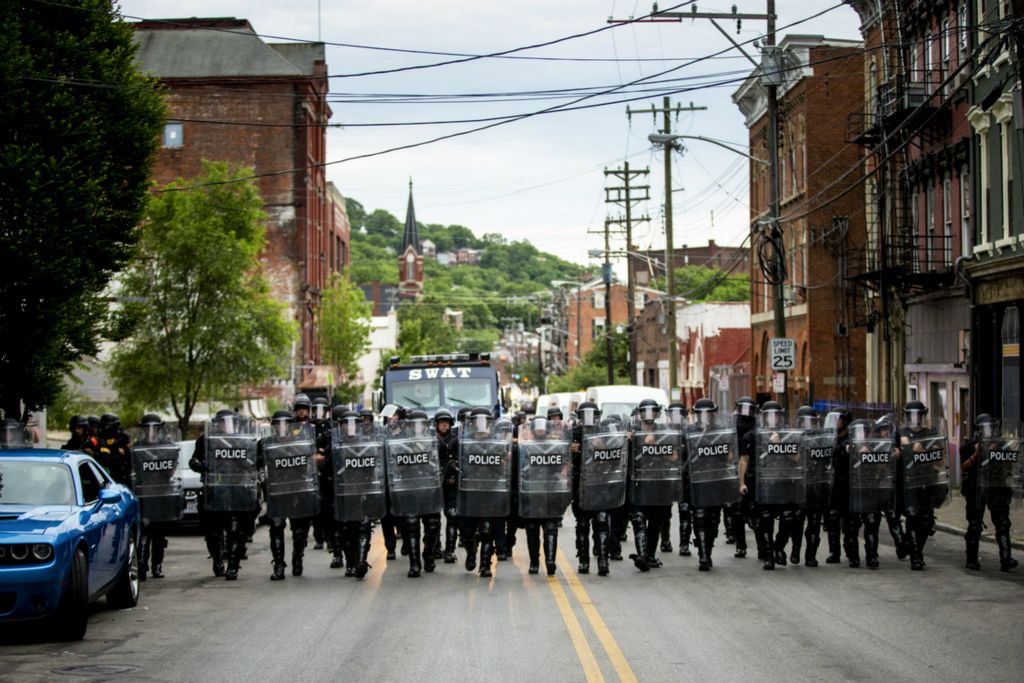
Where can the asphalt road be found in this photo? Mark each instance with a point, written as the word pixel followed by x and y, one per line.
pixel 674 624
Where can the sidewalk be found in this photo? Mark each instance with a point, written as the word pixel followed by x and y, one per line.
pixel 951 519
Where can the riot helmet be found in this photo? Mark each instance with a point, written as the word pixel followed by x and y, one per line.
pixel 349 421
pixel 884 426
pixel 463 414
pixel 225 422
pixel 986 426
pixel 94 424
pixel 704 410
pixel 648 410
pixel 301 406
pixel 11 433
pixel 280 421
pixel 838 420
pixel 772 414
pixel 78 422
pixel 539 426
pixel 588 413
pixel 676 413
pixel 555 413
pixel 153 427
pixel 444 417
pixel 914 414
pixel 109 424
pixel 806 418
pixel 417 423
pixel 861 430
pixel 337 412
pixel 319 409
pixel 479 419
pixel 745 407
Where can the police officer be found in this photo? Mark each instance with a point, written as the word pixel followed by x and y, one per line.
pixel 675 416
pixel 226 531
pixel 646 519
pixel 995 494
pixel 154 533
pixel 332 527
pixel 838 518
pixel 745 511
pixel 588 417
pixel 114 449
pixel 707 514
pixel 548 469
pixel 448 457
pixel 817 445
pixel 282 428
pixel 885 426
pixel 391 526
pixel 81 438
pixel 352 525
pixel 875 494
pixel 483 512
pixel 919 508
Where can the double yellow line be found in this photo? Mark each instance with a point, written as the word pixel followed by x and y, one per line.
pixel 591 670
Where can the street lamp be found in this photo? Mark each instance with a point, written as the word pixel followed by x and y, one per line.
pixel 663 139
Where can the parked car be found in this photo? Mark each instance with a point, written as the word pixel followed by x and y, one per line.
pixel 620 399
pixel 69 535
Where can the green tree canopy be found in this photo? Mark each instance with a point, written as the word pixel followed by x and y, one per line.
pixel 701 283
pixel 203 318
pixel 75 163
pixel 344 331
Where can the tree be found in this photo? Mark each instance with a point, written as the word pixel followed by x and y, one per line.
pixel 701 283
pixel 74 174
pixel 422 330
pixel 594 368
pixel 204 321
pixel 344 333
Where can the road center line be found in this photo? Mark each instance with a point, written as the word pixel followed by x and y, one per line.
pixel 611 648
pixel 590 668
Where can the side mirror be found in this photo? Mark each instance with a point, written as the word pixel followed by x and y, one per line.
pixel 109 496
pixel 378 400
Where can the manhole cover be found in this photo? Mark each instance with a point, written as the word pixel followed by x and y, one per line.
pixel 95 670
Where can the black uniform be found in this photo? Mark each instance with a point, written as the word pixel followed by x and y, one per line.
pixel 225 532
pixel 996 499
pixel 299 526
pixel 838 518
pixel 448 457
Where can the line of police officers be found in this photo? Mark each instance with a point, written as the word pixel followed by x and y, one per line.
pixel 344 471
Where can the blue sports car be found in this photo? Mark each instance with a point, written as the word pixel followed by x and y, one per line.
pixel 68 535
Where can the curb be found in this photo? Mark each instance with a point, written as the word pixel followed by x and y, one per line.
pixel 989 538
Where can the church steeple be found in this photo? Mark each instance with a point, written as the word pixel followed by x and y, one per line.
pixel 410 259
pixel 411 236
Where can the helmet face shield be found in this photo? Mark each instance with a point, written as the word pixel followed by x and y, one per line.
pixel 539 426
pixel 772 419
pixel 676 416
pixel 859 431
pixel 915 417
pixel 989 429
pixel 704 417
pixel 648 413
pixel 320 412
pixel 153 433
pixel 588 416
pixel 225 424
pixel 280 427
pixel 808 422
pixel 479 423
pixel 745 409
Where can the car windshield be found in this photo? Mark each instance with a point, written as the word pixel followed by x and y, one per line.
pixel 623 410
pixel 420 394
pixel 468 392
pixel 35 483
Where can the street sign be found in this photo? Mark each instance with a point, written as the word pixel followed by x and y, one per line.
pixel 779 382
pixel 782 352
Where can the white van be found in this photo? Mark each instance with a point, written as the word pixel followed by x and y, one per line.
pixel 621 399
pixel 566 400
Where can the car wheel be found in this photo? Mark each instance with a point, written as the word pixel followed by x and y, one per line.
pixel 125 593
pixel 72 616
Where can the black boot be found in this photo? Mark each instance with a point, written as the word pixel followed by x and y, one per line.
pixel 601 541
pixel 833 547
pixel 157 566
pixel 916 557
pixel 350 543
pixel 235 546
pixel 471 545
pixel 486 555
pixel 973 541
pixel 1006 561
pixel 215 546
pixel 653 534
pixel 415 564
pixel 685 531
pixel 582 547
pixel 764 530
pixel 871 548
pixel 277 553
pixel 796 537
pixel 812 535
pixel 340 548
pixel 666 533
pixel 533 547
pixel 701 541
pixel 640 538
pixel 363 546
pixel 851 546
pixel 550 546
pixel 298 552
pixel 739 534
pixel 450 537
pixel 779 545
pixel 899 538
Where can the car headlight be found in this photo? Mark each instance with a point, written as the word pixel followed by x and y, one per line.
pixel 42 551
pixel 19 552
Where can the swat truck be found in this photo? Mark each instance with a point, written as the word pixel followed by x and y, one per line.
pixel 451 381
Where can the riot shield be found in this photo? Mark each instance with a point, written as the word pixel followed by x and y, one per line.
pixel 780 467
pixel 603 465
pixel 713 451
pixel 229 483
pixel 656 460
pixel 485 462
pixel 924 456
pixel 14 435
pixel 155 479
pixel 872 469
pixel 414 474
pixel 1000 471
pixel 289 462
pixel 545 470
pixel 358 462
pixel 817 447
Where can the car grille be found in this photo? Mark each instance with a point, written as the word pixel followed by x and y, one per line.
pixel 7 602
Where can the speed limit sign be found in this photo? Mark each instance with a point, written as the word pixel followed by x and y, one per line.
pixel 782 352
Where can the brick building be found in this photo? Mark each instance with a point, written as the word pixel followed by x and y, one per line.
pixel 713 345
pixel 820 225
pixel 584 317
pixel 647 265
pixel 233 97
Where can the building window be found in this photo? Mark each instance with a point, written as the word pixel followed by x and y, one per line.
pixel 805 255
pixel 947 222
pixel 928 60
pixel 945 38
pixel 929 223
pixel 174 135
pixel 597 328
pixel 598 299
pixel 793 169
pixel 962 31
pixel 913 62
pixel 965 213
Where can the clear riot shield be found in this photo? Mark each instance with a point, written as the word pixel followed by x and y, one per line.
pixel 545 469
pixel 924 458
pixel 656 460
pixel 357 453
pixel 603 465
pixel 1000 470
pixel 780 466
pixel 155 480
pixel 713 452
pixel 293 489
pixel 816 449
pixel 414 472
pixel 485 462
pixel 230 481
pixel 15 435
pixel 872 469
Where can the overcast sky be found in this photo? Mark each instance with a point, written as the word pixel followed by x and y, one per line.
pixel 539 179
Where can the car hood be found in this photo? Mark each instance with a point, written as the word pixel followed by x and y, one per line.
pixel 25 519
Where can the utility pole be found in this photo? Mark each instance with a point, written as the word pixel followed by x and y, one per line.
pixel 666 111
pixel 624 197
